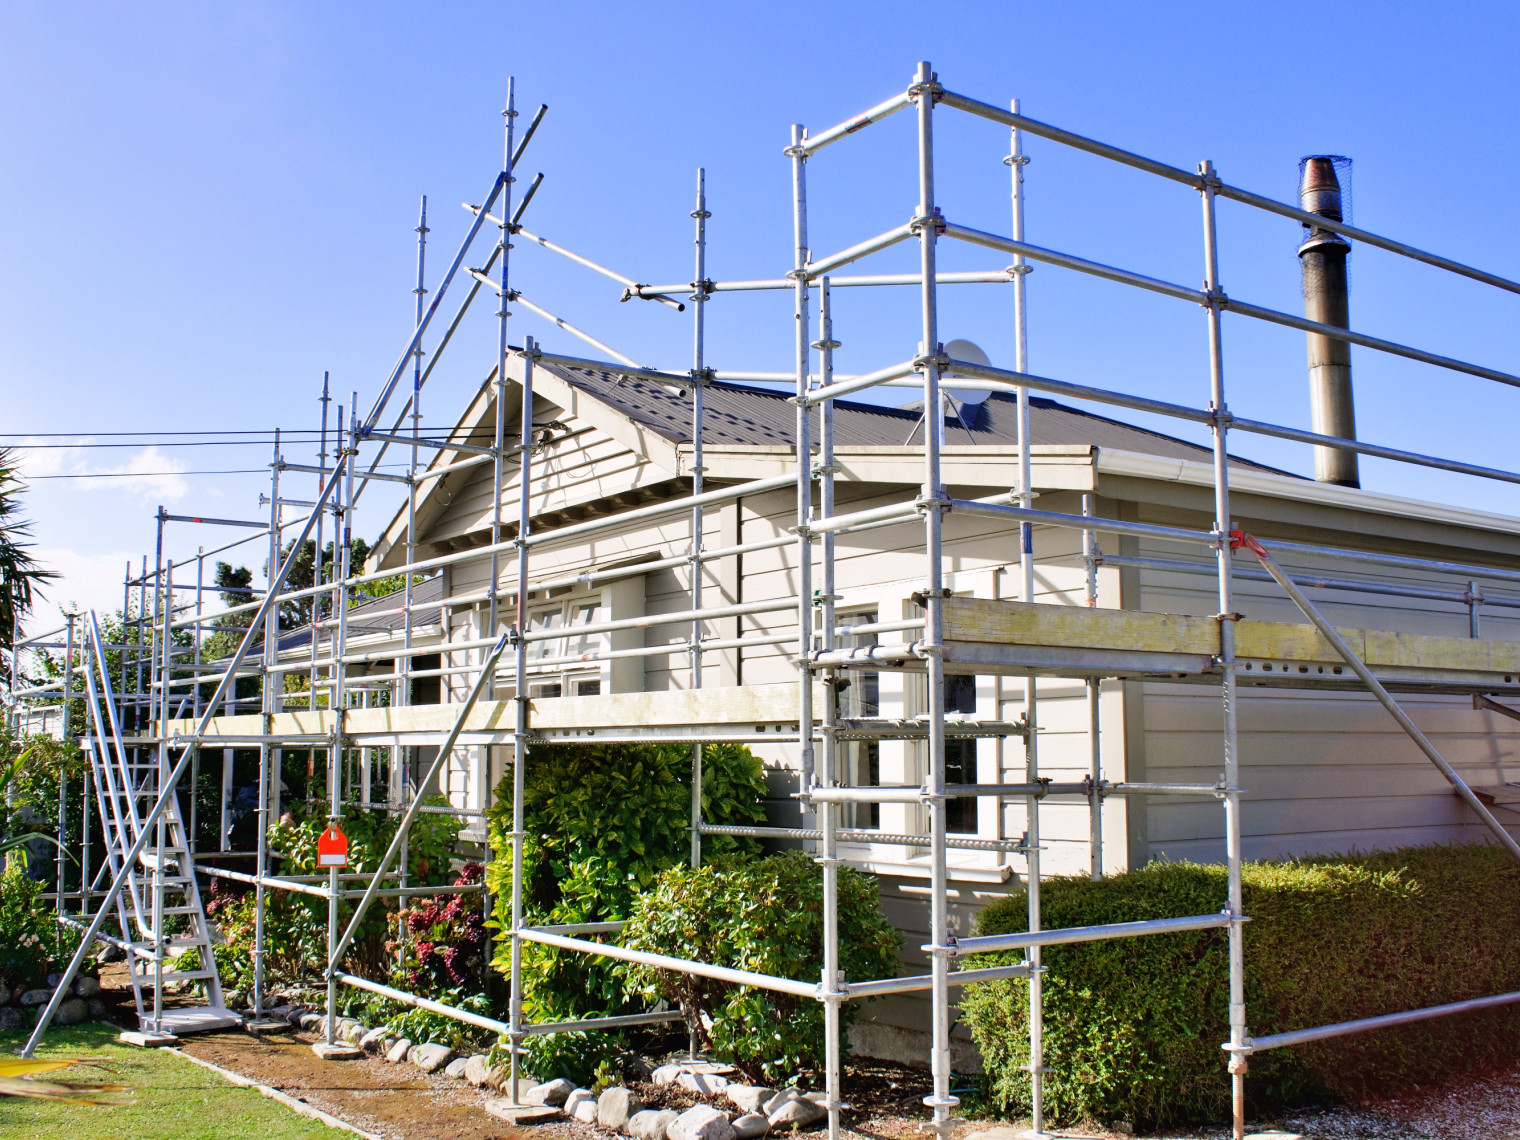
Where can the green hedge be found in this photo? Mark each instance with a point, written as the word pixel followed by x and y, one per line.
pixel 1133 1026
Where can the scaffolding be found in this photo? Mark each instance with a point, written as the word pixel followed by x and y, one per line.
pixel 158 718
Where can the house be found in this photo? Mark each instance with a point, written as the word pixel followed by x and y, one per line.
pixel 1324 767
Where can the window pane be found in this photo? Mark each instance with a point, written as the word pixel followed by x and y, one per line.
pixel 546 621
pixel 960 768
pixel 592 688
pixel 586 645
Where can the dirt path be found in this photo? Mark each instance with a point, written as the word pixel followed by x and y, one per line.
pixel 399 1102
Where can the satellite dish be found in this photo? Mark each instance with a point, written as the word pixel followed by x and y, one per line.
pixel 971 354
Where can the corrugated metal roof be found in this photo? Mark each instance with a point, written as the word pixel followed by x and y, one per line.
pixel 737 414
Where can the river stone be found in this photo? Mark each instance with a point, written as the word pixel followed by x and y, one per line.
pixel 577 1098
pixel 372 1042
pixel 651 1124
pixel 97 1009
pixel 666 1074
pixel 10 1017
pixel 311 1021
pixel 397 1052
pixel 71 1012
pixel 798 1113
pixel 703 1084
pixel 614 1107
pixel 354 1033
pixel 477 1070
pixel 748 1098
pixel 36 997
pixel 53 980
pixel 701 1122
pixel 431 1058
pixel 552 1093
pixel 750 1125
pixel 456 1067
pixel 86 987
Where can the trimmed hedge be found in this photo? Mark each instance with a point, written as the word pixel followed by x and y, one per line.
pixel 1133 1026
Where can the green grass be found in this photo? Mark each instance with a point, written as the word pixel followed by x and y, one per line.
pixel 172 1099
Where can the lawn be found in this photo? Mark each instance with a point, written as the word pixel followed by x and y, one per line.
pixel 172 1099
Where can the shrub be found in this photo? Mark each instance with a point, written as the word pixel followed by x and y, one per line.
pixel 446 941
pixel 295 925
pixel 33 943
pixel 1133 1026
pixel 765 916
pixel 601 822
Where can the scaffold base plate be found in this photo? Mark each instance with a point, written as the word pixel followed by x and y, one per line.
pixel 202 1019
pixel 145 1040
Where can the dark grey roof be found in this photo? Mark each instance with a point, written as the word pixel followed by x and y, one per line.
pixel 741 415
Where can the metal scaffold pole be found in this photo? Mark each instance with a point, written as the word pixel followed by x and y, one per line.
pixel 831 983
pixel 1025 496
pixel 926 223
pixel 1239 1040
pixel 698 469
pixel 515 1035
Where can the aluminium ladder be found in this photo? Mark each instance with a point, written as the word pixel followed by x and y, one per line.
pixel 160 885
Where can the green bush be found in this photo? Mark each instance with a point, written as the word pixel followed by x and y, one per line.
pixel 295 925
pixel 1133 1026
pixel 33 943
pixel 765 916
pixel 601 822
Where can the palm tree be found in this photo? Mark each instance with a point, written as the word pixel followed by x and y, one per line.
pixel 20 576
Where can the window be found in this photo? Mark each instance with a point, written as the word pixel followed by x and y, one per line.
pixel 960 754
pixel 561 665
pixel 860 760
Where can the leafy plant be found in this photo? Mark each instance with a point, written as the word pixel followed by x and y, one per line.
pixel 446 947
pixel 1133 1026
pixel 601 823
pixel 33 943
pixel 765 916
pixel 20 575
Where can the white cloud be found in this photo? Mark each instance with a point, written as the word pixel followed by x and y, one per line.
pixel 147 476
pixel 90 581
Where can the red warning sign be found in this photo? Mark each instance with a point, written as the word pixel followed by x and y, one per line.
pixel 332 848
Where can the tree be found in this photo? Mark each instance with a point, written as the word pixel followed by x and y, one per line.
pixel 21 578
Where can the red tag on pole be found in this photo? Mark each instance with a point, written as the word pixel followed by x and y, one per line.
pixel 332 848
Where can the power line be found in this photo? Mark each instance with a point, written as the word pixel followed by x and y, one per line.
pixel 146 474
pixel 103 434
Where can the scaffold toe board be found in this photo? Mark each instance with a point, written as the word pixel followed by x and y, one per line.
pixel 1023 637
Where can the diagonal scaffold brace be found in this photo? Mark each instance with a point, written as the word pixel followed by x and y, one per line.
pixel 1359 667
pixel 192 746
pixel 487 672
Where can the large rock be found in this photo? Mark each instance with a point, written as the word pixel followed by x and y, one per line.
pixel 354 1033
pixel 797 1113
pixel 456 1067
pixel 71 1012
pixel 374 1040
pixel 86 987
pixel 10 1017
pixel 577 1098
pixel 477 1070
pixel 750 1125
pixel 651 1124
pixel 614 1107
pixel 701 1122
pixel 431 1058
pixel 703 1084
pixel 53 980
pixel 666 1074
pixel 748 1098
pixel 311 1021
pixel 97 1009
pixel 397 1052
pixel 552 1093
pixel 36 997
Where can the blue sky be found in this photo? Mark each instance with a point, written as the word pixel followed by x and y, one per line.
pixel 206 206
